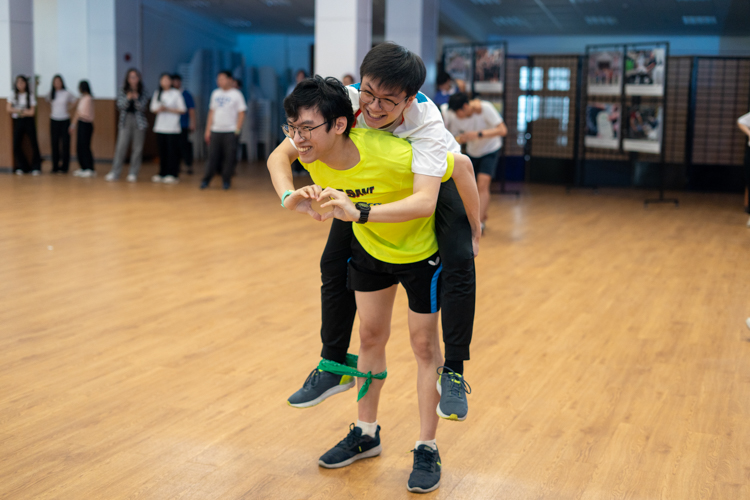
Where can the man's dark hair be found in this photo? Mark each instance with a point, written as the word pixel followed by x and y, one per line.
pixel 457 101
pixel 176 76
pixel 443 78
pixel 394 68
pixel 327 95
pixel 226 73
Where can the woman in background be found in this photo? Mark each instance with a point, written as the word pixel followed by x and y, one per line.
pixel 84 121
pixel 132 102
pixel 61 101
pixel 168 105
pixel 22 107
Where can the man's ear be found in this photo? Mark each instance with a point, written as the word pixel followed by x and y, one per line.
pixel 409 101
pixel 340 125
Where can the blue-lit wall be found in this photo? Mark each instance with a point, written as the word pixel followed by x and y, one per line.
pixel 285 53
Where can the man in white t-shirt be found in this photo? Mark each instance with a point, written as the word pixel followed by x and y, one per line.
pixel 743 122
pixel 477 124
pixel 225 116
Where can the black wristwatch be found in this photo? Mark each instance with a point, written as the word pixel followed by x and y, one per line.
pixel 364 211
pixel 480 134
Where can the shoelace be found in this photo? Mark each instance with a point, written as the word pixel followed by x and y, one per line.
pixel 312 379
pixel 350 439
pixel 455 387
pixel 424 458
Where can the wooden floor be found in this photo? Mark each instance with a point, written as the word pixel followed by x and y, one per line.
pixel 150 335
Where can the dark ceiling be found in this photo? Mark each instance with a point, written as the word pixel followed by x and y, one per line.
pixel 479 19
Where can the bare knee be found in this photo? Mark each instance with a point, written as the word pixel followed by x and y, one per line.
pixel 424 345
pixel 372 338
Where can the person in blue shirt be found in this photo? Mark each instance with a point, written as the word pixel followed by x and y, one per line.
pixel 445 89
pixel 187 122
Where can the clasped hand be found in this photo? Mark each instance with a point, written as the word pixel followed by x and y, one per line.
pixel 342 207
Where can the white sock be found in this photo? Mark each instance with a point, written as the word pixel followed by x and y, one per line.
pixel 431 443
pixel 368 428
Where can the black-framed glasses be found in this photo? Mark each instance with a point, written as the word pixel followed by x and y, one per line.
pixel 385 104
pixel 304 132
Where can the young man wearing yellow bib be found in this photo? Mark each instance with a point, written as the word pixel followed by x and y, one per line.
pixel 394 242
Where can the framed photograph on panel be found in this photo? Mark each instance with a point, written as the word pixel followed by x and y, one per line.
pixel 457 63
pixel 644 129
pixel 602 125
pixel 605 72
pixel 645 72
pixel 489 68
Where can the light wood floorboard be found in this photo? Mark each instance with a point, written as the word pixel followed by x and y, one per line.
pixel 150 335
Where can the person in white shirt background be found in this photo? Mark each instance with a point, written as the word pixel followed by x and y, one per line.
pixel 226 114
pixel 83 120
pixel 61 102
pixel 22 107
pixel 168 105
pixel 477 124
pixel 743 122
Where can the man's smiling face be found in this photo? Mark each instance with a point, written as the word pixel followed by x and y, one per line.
pixel 374 113
pixel 316 143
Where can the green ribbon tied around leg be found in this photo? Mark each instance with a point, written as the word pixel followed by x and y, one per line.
pixel 350 369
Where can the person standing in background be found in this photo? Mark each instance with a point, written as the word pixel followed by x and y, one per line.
pixel 22 107
pixel 445 89
pixel 132 102
pixel 168 105
pixel 61 101
pixel 743 122
pixel 187 123
pixel 84 121
pixel 477 124
pixel 225 117
pixel 347 80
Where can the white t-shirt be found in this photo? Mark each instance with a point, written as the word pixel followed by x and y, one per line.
pixel 226 105
pixel 745 120
pixel 488 118
pixel 60 104
pixel 168 122
pixel 21 102
pixel 423 127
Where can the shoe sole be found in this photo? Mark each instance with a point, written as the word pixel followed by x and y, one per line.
pixel 374 452
pixel 417 489
pixel 330 392
pixel 452 416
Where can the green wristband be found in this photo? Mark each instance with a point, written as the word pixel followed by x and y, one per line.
pixel 285 196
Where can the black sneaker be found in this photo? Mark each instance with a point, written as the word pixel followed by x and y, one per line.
pixel 318 387
pixel 425 476
pixel 204 184
pixel 353 447
pixel 453 390
pixel 227 185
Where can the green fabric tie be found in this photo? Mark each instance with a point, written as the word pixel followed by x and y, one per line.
pixel 350 369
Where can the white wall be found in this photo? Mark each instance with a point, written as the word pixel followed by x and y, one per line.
pixel 171 36
pixel 76 38
pixel 16 42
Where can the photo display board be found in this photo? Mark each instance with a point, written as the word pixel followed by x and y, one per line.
pixel 645 125
pixel 645 71
pixel 458 63
pixel 489 68
pixel 603 125
pixel 605 72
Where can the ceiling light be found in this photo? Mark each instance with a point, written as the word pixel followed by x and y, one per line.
pixel 600 20
pixel 509 21
pixel 695 20
pixel 307 21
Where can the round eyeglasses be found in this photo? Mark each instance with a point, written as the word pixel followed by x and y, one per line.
pixel 385 104
pixel 304 132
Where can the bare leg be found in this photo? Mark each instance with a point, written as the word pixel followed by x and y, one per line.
pixel 375 310
pixel 425 343
pixel 483 185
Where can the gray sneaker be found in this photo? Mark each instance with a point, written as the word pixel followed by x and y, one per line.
pixel 319 386
pixel 453 390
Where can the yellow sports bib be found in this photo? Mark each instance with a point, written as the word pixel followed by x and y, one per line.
pixel 383 175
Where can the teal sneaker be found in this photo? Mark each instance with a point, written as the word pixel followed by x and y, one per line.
pixel 319 386
pixel 453 390
pixel 353 447
pixel 425 475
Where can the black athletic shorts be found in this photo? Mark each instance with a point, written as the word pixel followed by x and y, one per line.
pixel 486 164
pixel 421 279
